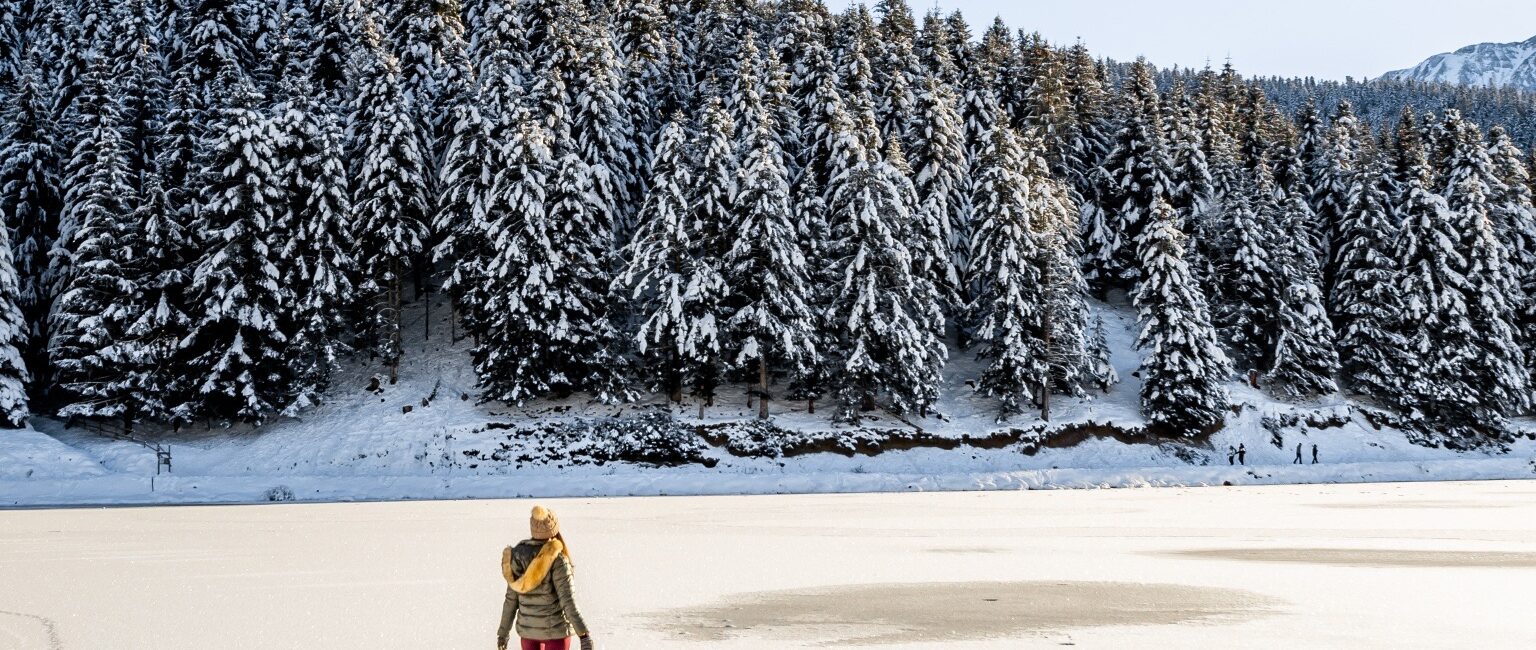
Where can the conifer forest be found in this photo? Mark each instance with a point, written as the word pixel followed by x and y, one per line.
pixel 211 205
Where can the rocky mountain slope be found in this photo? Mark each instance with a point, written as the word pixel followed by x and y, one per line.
pixel 1485 64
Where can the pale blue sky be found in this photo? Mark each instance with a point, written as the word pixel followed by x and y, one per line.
pixel 1323 38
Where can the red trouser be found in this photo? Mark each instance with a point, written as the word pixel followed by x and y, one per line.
pixel 557 644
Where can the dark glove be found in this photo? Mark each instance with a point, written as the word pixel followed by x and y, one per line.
pixel 586 643
pixel 501 643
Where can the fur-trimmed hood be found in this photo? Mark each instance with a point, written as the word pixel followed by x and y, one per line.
pixel 538 569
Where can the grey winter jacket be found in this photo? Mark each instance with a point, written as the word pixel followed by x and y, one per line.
pixel 548 611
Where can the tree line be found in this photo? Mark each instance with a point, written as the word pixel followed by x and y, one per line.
pixel 210 203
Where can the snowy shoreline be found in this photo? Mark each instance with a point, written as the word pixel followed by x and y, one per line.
pixel 126 490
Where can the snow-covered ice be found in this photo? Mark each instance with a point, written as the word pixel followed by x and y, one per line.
pixel 1389 565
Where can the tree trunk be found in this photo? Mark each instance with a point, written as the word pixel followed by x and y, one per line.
pixel 393 304
pixel 810 406
pixel 762 386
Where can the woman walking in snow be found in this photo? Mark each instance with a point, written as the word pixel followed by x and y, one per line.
pixel 539 595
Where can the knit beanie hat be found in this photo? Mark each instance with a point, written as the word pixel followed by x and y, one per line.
pixel 543 523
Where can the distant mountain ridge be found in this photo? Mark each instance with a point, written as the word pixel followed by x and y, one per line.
pixel 1485 64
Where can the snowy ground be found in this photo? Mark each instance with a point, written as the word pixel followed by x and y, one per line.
pixel 1392 565
pixel 362 445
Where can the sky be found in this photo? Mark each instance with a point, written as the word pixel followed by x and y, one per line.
pixel 1327 39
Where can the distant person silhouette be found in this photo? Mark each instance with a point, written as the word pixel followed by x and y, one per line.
pixel 1231 455
pixel 1242 455
pixel 1298 453
pixel 1314 453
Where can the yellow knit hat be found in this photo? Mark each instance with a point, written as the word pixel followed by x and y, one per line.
pixel 543 523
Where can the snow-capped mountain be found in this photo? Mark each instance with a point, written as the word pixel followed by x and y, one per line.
pixel 1485 64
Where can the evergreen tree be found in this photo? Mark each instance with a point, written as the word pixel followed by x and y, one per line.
pixel 1254 278
pixel 1009 308
pixel 548 332
pixel 316 246
pixel 13 340
pixel 714 174
pixel 154 373
pixel 88 344
pixel 389 195
pixel 1332 178
pixel 602 130
pixel 31 196
pixel 1496 364
pixel 1514 219
pixel 765 268
pixel 1134 176
pixel 233 354
pixel 942 180
pixel 1183 371
pixel 675 289
pixel 215 48
pixel 467 191
pixel 1100 369
pixel 1304 358
pixel 884 337
pixel 1364 300
pixel 1438 387
pixel 1056 220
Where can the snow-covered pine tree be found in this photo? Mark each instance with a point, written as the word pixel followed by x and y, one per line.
pixel 675 291
pixel 1496 365
pixel 1254 279
pixel 1184 371
pixel 883 338
pixel 1047 103
pixel 772 319
pixel 388 194
pixel 1438 388
pixel 818 99
pixel 714 187
pixel 31 196
pixel 1304 357
pixel 813 233
pixel 333 22
pixel 935 50
pixel 601 122
pixel 468 182
pixel 154 374
pixel 744 100
pixel 549 332
pixel 1089 137
pixel 649 49
pixel 1009 309
pixel 316 246
pixel 896 69
pixel 137 64
pixel 1055 216
pixel 1331 182
pixel 94 112
pixel 1134 176
pixel 506 354
pixel 14 409
pixel 1193 189
pixel 1099 370
pixel 1364 300
pixel 980 100
pixel 234 352
pixel 942 178
pixel 1514 219
pixel 214 48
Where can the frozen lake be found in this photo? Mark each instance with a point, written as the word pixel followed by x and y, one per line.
pixel 1402 566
